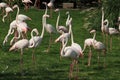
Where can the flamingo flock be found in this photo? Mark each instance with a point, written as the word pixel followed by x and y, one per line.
pixel 19 28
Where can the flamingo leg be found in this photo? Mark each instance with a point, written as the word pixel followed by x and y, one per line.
pixel 89 56
pixel 103 37
pixel 3 11
pixel 71 69
pixel 107 41
pixel 50 41
pixel 33 57
pixel 110 43
pixel 21 61
pixel 98 58
pixel 104 53
pixel 60 50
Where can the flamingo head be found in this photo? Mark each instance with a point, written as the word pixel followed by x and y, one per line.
pixel 15 6
pixel 56 10
pixel 67 12
pixel 46 16
pixel 93 31
pixel 36 31
pixel 105 22
pixel 45 3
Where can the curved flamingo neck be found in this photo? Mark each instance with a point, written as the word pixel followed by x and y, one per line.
pixel 64 45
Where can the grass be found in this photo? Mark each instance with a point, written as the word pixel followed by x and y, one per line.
pixel 48 65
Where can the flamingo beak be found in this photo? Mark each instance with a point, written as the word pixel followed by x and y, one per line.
pixel 29 19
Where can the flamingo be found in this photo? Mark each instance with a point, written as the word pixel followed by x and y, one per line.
pixel 64 35
pixel 7 10
pixel 3 5
pixel 70 52
pixel 26 3
pixel 51 5
pixel 89 42
pixel 13 26
pixel 60 29
pixel 38 39
pixel 99 46
pixel 111 31
pixel 50 29
pixel 107 30
pixel 21 44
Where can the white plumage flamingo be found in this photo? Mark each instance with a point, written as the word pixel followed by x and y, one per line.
pixel 107 30
pixel 21 44
pixel 64 36
pixel 89 43
pixel 60 29
pixel 70 52
pixel 38 39
pixel 7 10
pixel 49 28
pixel 99 46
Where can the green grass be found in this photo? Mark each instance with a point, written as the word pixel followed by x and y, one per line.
pixel 48 65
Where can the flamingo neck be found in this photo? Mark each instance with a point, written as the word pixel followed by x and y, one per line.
pixel 72 40
pixel 64 45
pixel 94 38
pixel 102 21
pixel 18 10
pixel 43 25
pixel 31 46
pixel 58 18
pixel 46 9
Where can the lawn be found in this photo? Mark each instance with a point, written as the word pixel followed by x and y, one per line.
pixel 48 65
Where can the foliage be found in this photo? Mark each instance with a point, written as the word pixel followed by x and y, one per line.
pixel 112 12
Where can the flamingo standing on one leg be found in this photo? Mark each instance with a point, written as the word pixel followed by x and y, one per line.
pixel 99 46
pixel 7 10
